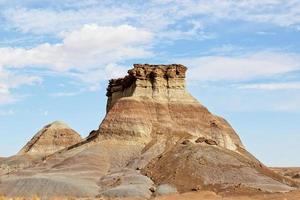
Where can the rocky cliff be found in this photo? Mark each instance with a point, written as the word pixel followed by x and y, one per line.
pixel 165 83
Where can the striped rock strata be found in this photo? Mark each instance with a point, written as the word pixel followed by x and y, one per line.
pixel 153 100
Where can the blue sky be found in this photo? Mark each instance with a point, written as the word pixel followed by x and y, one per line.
pixel 243 58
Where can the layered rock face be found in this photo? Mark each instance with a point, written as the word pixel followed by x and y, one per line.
pixel 153 100
pixel 164 83
pixel 51 138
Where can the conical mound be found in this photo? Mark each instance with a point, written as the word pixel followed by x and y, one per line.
pixel 51 138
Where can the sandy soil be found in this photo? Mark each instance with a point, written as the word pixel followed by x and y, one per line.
pixel 201 195
pixel 213 196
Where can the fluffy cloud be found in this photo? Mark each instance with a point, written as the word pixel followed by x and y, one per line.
pixel 277 12
pixel 5 95
pixel 10 81
pixel 86 48
pixel 153 15
pixel 92 77
pixel 47 21
pixel 90 53
pixel 240 68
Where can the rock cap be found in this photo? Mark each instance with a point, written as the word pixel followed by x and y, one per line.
pixel 144 72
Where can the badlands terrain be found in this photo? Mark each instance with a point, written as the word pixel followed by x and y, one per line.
pixel 155 142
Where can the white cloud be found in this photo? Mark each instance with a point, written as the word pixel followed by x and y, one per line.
pixel 277 12
pixel 224 49
pixel 82 49
pixel 172 19
pixel 89 54
pixel 45 21
pixel 10 81
pixel 92 77
pixel 65 94
pixel 272 86
pixel 4 113
pixel 245 67
pixel 5 95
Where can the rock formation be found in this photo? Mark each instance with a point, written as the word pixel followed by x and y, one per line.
pixel 155 138
pixel 51 138
pixel 152 100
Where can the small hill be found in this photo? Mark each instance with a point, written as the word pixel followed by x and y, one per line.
pixel 51 138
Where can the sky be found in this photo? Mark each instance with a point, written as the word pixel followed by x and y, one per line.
pixel 243 59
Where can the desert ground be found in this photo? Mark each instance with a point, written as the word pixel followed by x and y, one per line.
pixel 203 195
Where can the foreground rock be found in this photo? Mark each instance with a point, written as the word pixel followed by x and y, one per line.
pixel 206 167
pixel 155 134
pixel 124 183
